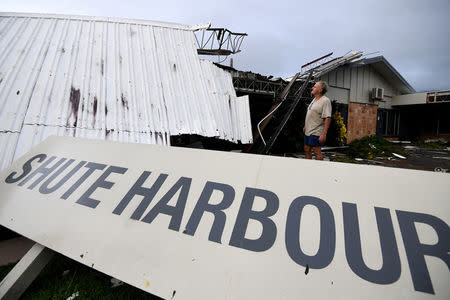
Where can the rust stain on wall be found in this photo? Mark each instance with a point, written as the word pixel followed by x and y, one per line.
pixel 124 101
pixel 75 101
pixel 95 106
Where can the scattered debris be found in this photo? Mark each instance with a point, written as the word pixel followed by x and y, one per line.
pixel 73 296
pixel 398 155
pixel 115 282
pixel 440 152
pixel 418 156
pixel 441 157
pixel 333 148
pixel 374 162
pixel 411 147
pixel 443 141
pixel 372 146
pixel 436 144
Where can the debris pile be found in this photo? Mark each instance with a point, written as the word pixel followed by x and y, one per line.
pixel 370 147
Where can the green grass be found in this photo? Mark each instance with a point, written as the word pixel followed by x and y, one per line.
pixel 89 283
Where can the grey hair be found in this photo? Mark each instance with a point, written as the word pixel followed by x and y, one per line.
pixel 324 87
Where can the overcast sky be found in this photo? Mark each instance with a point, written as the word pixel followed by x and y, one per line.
pixel 413 35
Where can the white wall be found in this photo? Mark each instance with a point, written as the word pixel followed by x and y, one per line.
pixel 417 98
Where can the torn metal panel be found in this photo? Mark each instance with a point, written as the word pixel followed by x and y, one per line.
pixel 109 19
pixel 139 81
pixel 8 141
pixel 32 135
pixel 319 67
pixel 229 110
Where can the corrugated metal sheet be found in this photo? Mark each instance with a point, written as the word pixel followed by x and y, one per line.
pixel 116 79
pixel 8 142
pixel 229 110
pixel 32 135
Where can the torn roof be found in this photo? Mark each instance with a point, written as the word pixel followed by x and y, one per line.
pixel 108 78
pixel 107 19
pixel 353 59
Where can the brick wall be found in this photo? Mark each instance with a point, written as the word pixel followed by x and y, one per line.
pixel 362 120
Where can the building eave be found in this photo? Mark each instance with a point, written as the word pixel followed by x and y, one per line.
pixel 380 64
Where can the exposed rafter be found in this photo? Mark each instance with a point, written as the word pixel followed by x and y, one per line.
pixel 218 41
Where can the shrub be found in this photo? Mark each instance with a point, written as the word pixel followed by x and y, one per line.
pixel 372 146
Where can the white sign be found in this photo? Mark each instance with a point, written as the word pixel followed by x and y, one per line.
pixel 197 224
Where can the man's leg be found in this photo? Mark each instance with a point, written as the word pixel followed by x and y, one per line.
pixel 307 149
pixel 318 153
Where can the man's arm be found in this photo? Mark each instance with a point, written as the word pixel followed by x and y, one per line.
pixel 323 136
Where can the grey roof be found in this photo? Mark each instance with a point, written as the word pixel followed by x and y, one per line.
pixel 380 64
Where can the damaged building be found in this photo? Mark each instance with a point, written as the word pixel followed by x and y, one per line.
pixel 378 100
pixel 112 79
pixel 144 82
pixel 371 95
pixel 367 88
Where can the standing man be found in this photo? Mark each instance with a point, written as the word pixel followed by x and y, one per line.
pixel 317 121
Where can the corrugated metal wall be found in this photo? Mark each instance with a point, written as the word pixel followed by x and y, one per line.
pixel 355 84
pixel 124 80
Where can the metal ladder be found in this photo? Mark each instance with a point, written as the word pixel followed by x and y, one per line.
pixel 297 96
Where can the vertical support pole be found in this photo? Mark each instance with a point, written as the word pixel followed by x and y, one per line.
pixel 437 130
pixel 24 272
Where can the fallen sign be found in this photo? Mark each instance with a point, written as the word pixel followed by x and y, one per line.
pixel 202 224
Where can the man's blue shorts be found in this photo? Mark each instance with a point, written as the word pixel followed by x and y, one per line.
pixel 313 141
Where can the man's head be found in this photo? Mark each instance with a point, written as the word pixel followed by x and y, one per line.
pixel 319 89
